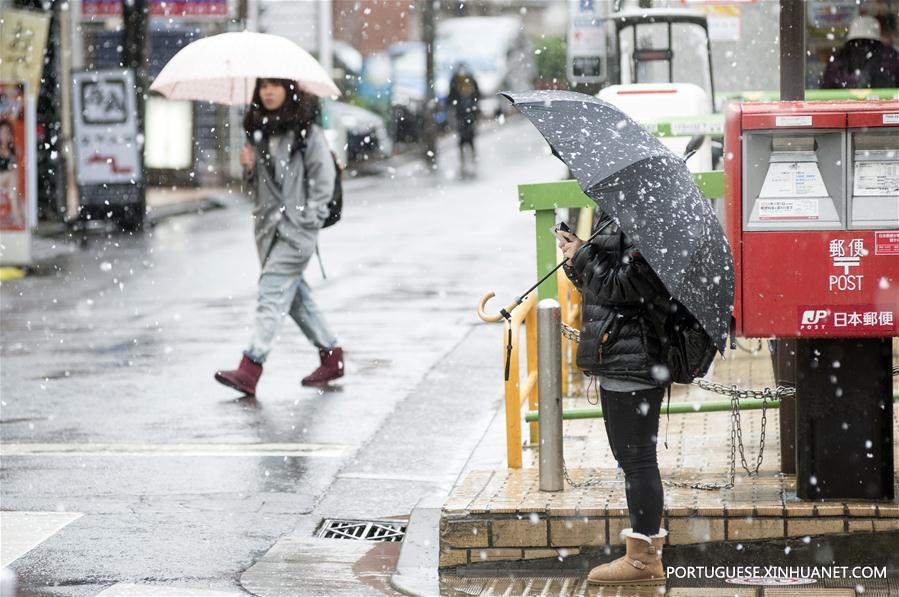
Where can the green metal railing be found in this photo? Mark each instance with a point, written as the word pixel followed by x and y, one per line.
pixel 812 95
pixel 711 406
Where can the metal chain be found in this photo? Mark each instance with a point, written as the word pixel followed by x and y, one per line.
pixel 571 333
pixel 570 481
pixel 736 437
pixel 741 393
pixel 743 347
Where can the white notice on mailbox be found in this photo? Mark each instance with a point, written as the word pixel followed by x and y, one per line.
pixel 876 179
pixel 793 179
pixel 788 209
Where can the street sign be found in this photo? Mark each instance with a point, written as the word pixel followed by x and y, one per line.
pixel 106 147
pixel 588 42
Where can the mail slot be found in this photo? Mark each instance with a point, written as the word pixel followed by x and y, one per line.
pixel 873 172
pixel 813 217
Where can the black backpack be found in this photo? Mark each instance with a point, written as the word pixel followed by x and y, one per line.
pixel 335 205
pixel 687 350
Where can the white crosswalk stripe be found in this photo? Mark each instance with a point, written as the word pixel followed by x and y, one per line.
pixel 135 590
pixel 20 532
pixel 251 450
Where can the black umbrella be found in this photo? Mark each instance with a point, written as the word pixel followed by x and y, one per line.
pixel 649 191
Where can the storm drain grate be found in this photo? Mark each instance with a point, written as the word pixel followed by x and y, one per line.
pixel 362 530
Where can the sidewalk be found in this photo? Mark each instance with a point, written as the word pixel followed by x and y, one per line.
pixel 500 514
pixel 165 202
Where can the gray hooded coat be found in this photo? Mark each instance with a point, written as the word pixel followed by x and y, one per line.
pixel 290 195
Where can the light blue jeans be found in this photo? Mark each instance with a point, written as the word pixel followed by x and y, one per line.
pixel 286 294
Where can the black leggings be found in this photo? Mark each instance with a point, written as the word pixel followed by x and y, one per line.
pixel 632 424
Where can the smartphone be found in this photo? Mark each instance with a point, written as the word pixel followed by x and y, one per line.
pixel 562 227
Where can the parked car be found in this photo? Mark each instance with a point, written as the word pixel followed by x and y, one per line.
pixel 347 66
pixel 407 98
pixel 393 84
pixel 376 82
pixel 356 134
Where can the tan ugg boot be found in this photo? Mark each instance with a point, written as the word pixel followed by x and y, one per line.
pixel 641 565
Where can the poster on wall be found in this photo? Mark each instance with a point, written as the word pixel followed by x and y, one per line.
pixel 24 41
pixel 830 17
pixel 159 8
pixel 13 149
pixel 106 144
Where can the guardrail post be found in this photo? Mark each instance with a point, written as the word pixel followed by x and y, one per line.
pixel 549 365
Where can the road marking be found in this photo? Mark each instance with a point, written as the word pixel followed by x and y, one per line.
pixel 132 590
pixel 249 450
pixel 388 477
pixel 20 532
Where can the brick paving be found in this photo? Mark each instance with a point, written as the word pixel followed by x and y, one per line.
pixel 502 514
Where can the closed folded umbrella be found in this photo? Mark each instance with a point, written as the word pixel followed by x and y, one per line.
pixel 634 178
pixel 223 68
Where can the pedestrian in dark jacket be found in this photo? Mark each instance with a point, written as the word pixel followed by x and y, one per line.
pixel 619 346
pixel 464 96
pixel 290 175
pixel 864 61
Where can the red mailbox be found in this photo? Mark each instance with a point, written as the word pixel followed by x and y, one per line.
pixel 813 217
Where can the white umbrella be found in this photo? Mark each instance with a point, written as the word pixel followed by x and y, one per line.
pixel 223 68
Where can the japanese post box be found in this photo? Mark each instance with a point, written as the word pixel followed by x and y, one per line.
pixel 813 217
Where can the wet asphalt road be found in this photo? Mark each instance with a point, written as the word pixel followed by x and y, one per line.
pixel 109 408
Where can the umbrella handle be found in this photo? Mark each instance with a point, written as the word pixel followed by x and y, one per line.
pixel 493 318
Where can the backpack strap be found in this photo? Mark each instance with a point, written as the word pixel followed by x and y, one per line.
pixel 733 332
pixel 667 416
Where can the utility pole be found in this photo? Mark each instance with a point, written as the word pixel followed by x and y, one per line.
pixel 430 134
pixel 69 31
pixel 136 56
pixel 792 88
pixel 325 46
pixel 325 49
pixel 792 50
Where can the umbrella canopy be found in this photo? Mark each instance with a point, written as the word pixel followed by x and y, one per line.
pixel 649 191
pixel 223 68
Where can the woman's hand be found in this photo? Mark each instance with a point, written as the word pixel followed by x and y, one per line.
pixel 569 245
pixel 248 158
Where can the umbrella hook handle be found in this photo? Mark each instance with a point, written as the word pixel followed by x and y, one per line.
pixel 505 313
pixel 499 316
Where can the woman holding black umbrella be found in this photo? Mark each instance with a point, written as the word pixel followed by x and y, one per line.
pixel 683 261
pixel 620 347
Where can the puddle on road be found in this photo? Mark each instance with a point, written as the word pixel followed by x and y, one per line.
pixel 373 365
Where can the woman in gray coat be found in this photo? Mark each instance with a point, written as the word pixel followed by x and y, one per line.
pixel 290 175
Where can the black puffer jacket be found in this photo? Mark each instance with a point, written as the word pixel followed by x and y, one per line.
pixel 618 338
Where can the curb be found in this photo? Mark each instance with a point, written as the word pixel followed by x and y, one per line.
pixel 11 273
pixel 207 203
pixel 416 569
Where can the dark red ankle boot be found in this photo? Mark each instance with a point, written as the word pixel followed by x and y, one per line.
pixel 330 369
pixel 242 379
